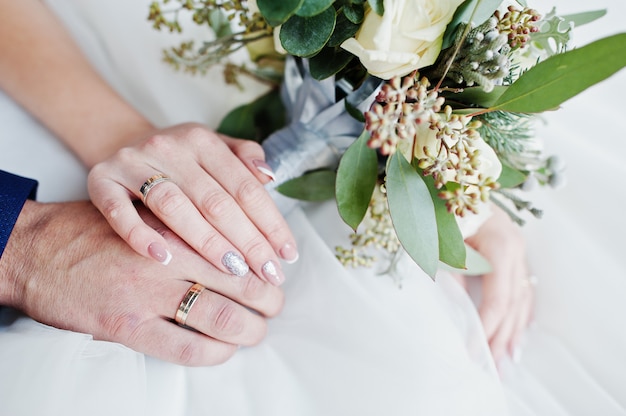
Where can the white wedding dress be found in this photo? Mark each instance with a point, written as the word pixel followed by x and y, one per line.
pixel 349 342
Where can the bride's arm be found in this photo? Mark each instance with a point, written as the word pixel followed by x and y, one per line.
pixel 45 72
pixel 216 201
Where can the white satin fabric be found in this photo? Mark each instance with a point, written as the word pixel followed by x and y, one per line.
pixel 349 342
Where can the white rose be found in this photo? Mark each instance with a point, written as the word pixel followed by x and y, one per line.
pixel 407 37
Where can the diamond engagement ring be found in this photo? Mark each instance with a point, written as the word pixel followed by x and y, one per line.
pixel 151 182
pixel 185 305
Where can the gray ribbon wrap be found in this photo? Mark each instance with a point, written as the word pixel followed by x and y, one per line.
pixel 319 128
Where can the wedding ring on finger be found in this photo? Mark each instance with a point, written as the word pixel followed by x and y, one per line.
pixel 530 282
pixel 151 182
pixel 185 305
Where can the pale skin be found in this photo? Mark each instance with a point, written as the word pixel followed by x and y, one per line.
pixel 66 267
pixel 216 180
pixel 221 212
pixel 507 297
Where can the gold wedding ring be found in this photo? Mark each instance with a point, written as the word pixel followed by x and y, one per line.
pixel 151 183
pixel 185 305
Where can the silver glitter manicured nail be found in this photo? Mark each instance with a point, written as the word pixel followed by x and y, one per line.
pixel 235 264
pixel 271 273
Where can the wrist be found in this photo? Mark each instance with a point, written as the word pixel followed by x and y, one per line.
pixel 18 254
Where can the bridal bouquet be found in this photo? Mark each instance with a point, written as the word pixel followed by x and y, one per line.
pixel 444 93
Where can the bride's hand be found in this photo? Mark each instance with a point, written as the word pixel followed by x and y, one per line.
pixel 213 198
pixel 65 266
pixel 507 292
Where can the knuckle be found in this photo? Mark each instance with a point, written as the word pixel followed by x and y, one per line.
pixel 276 233
pixel 268 300
pixel 97 173
pixel 199 136
pixel 126 155
pixel 187 353
pixel 134 235
pixel 252 289
pixel 251 193
pixel 159 143
pixel 255 248
pixel 208 243
pixel 217 205
pixel 111 209
pixel 169 201
pixel 123 326
pixel 227 319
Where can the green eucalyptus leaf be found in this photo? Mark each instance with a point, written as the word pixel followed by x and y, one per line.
pixel 355 13
pixel 344 29
pixel 560 77
pixel 354 111
pixel 476 11
pixel 328 62
pixel 356 179
pixel 378 6
pixel 580 19
pixel 412 213
pixel 313 7
pixel 475 96
pixel 510 177
pixel 313 186
pixel 306 36
pixel 277 12
pixel 475 264
pixel 218 21
pixel 451 244
pixel 256 120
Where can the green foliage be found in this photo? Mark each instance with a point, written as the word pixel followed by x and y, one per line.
pixel 256 120
pixel 555 31
pixel 314 7
pixel 306 36
pixel 560 77
pixel 475 264
pixel 356 179
pixel 318 185
pixel 354 13
pixel 277 12
pixel 510 177
pixel 580 19
pixel 475 97
pixel 328 62
pixel 451 244
pixel 413 213
pixel 475 11
pixel 510 135
pixel 377 5
pixel 344 29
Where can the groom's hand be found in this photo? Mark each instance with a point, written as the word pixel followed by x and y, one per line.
pixel 65 266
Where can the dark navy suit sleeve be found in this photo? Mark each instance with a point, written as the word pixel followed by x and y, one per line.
pixel 14 191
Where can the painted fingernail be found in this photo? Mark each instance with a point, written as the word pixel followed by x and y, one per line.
pixel 235 263
pixel 160 253
pixel 289 253
pixel 272 273
pixel 264 168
